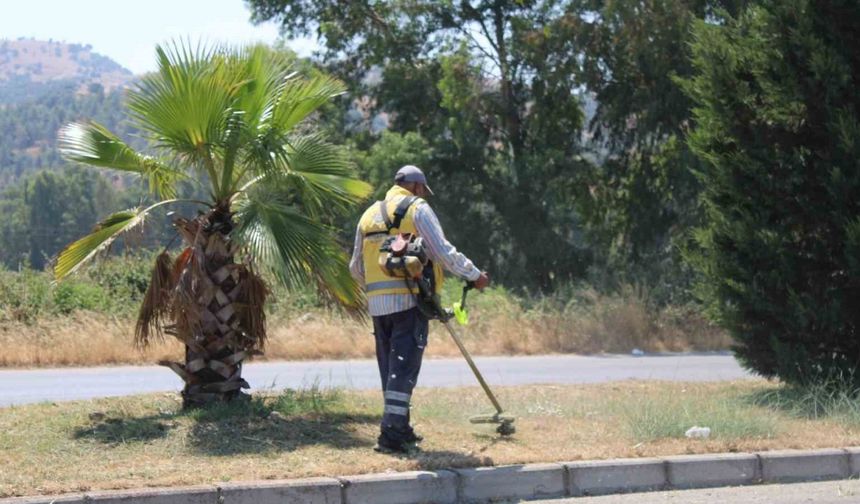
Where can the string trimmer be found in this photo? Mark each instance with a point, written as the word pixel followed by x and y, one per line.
pixel 504 421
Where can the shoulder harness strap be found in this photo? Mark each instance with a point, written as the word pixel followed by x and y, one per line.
pixel 401 210
pixel 383 209
pixel 399 213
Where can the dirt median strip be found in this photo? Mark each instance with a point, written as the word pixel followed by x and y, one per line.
pixel 150 441
pixel 495 484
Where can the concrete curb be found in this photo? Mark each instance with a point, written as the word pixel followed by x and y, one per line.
pixel 787 466
pixel 602 477
pixel 309 491
pixel 493 484
pixel 396 488
pixel 702 471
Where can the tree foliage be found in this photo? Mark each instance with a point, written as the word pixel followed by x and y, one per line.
pixel 778 129
pixel 554 128
pixel 490 90
pixel 642 196
pixel 48 209
pixel 29 139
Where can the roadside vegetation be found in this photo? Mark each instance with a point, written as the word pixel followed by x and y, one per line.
pixel 89 320
pixel 150 441
pixel 596 152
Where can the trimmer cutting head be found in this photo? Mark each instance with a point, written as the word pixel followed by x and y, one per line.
pixel 504 421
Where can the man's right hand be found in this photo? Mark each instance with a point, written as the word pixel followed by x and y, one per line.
pixel 483 281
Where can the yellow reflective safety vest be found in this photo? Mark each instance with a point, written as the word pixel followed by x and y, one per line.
pixel 375 231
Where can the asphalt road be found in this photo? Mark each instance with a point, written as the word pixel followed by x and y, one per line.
pixel 828 492
pixel 29 386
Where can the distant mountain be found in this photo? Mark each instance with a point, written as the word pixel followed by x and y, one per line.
pixel 28 129
pixel 30 69
pixel 44 85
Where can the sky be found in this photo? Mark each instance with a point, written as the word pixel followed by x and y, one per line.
pixel 127 31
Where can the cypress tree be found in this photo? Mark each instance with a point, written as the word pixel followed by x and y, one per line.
pixel 777 122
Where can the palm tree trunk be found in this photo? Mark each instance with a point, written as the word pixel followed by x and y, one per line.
pixel 217 310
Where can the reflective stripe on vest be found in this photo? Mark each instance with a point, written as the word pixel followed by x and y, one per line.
pixel 390 284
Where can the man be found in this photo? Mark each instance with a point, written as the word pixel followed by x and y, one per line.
pixel 399 325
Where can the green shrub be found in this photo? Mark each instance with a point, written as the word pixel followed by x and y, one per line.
pixel 123 275
pixel 24 296
pixel 778 126
pixel 123 279
pixel 73 295
pixel 115 285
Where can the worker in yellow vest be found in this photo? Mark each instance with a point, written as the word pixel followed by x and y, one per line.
pixel 399 322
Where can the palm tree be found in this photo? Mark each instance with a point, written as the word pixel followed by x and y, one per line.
pixel 234 122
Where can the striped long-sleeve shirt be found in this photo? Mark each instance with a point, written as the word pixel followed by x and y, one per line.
pixel 439 250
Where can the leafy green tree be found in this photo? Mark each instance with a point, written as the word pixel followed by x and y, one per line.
pixel 642 194
pixel 778 129
pixel 392 149
pixel 46 210
pixel 45 200
pixel 60 207
pixel 235 123
pixel 13 227
pixel 492 90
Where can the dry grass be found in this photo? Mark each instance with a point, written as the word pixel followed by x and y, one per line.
pixel 147 441
pixel 498 327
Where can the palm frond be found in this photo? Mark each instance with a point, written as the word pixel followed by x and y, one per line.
pixel 184 107
pixel 93 144
pixel 252 301
pixel 313 154
pixel 293 248
pixel 298 97
pixel 319 173
pixel 76 254
pixel 261 73
pixel 156 302
pixel 105 232
pixel 230 144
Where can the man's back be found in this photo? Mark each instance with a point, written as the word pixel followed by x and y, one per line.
pixel 420 220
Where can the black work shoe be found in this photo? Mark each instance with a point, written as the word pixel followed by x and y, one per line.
pixel 387 444
pixel 401 449
pixel 413 437
pixel 395 448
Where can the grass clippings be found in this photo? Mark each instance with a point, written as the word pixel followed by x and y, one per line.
pixel 148 440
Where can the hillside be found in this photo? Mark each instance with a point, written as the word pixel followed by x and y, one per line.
pixel 33 68
pixel 28 130
pixel 44 85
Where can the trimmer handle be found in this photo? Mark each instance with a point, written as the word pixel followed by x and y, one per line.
pixel 466 288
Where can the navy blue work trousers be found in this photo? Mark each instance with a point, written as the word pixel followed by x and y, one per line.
pixel 400 341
